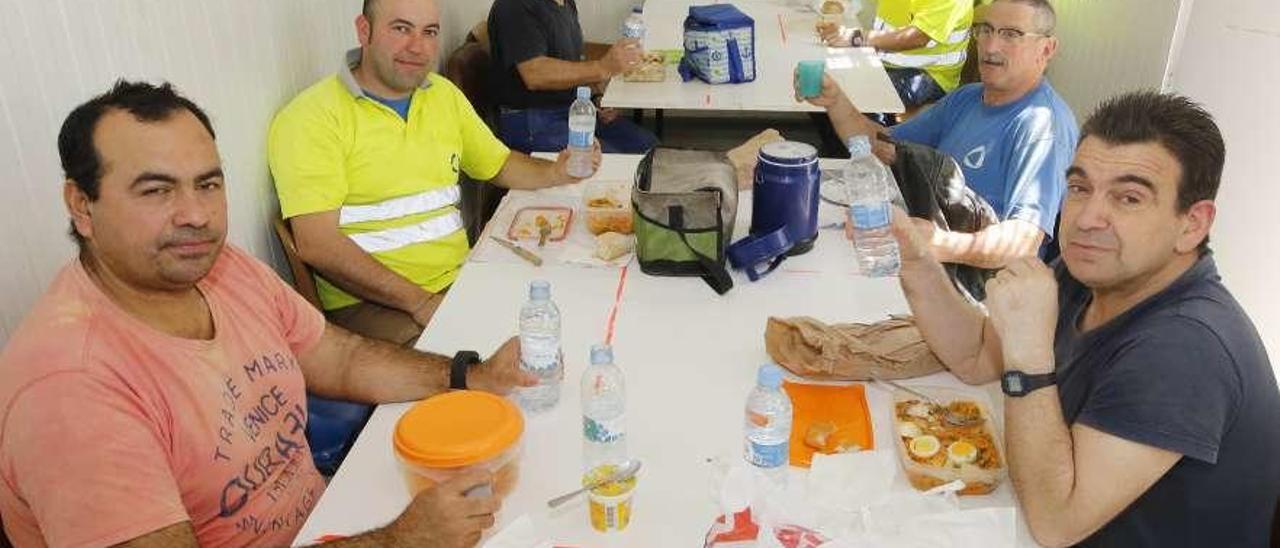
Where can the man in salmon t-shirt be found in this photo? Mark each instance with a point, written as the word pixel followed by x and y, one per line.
pixel 156 394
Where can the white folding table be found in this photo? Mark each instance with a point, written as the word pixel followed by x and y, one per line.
pixel 689 357
pixel 785 35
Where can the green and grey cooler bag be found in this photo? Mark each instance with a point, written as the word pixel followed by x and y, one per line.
pixel 684 203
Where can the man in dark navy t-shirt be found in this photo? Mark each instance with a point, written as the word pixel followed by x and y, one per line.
pixel 1141 407
pixel 539 58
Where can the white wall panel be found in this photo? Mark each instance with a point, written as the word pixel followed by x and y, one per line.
pixel 1230 61
pixel 1106 47
pixel 240 60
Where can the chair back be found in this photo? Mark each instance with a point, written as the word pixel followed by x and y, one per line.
pixel 303 283
pixel 468 68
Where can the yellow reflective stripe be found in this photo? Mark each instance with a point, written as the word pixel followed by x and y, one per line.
pixel 395 238
pixel 920 61
pixel 400 207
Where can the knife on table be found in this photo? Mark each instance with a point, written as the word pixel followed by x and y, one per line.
pixel 520 251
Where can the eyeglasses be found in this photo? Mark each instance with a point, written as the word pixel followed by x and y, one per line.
pixel 983 31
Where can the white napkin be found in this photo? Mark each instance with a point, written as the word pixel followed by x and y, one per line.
pixel 520 533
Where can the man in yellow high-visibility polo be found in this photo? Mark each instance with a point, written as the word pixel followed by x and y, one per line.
pixel 366 166
pixel 923 44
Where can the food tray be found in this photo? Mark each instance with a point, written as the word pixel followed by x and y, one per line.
pixel 988 467
pixel 525 225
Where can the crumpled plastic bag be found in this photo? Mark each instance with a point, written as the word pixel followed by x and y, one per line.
pixel 888 349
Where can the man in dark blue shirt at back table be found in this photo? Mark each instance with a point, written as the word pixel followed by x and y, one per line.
pixel 539 58
pixel 1141 407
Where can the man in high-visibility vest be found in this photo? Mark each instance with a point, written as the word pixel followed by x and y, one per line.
pixel 366 165
pixel 923 44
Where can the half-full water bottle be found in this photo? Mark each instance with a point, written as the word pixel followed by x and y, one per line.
pixel 582 130
pixel 540 349
pixel 633 26
pixel 604 411
pixel 768 424
pixel 867 183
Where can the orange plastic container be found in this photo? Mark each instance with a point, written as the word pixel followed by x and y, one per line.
pixel 445 435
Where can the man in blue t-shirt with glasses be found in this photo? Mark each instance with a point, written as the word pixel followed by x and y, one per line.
pixel 1011 135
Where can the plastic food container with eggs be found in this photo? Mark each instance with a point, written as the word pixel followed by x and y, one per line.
pixel 933 452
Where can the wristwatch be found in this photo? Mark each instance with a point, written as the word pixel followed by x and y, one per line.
pixel 462 361
pixel 1017 384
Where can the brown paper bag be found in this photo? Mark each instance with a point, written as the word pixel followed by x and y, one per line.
pixel 889 349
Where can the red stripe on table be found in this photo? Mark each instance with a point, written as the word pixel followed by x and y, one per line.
pixel 617 303
pixel 782 28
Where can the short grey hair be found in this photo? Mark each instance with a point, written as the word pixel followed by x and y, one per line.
pixel 1046 19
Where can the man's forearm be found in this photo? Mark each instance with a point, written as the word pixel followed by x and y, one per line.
pixel 376 538
pixel 524 172
pixel 355 271
pixel 956 331
pixel 355 368
pixel 550 74
pixel 903 39
pixel 1041 458
pixel 848 121
pixel 991 247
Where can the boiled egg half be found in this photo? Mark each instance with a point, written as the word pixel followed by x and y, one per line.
pixel 962 452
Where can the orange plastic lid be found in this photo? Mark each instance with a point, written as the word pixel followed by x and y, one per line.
pixel 458 429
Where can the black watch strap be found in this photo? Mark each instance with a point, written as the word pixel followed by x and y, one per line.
pixel 462 361
pixel 1017 384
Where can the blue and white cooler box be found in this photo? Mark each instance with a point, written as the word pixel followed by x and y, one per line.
pixel 719 45
pixel 784 208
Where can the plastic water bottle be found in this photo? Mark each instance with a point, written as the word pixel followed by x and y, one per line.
pixel 604 410
pixel 633 26
pixel 768 424
pixel 540 349
pixel 867 182
pixel 582 130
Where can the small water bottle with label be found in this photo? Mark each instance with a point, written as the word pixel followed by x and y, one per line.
pixel 768 424
pixel 867 182
pixel 604 411
pixel 633 26
pixel 540 349
pixel 582 131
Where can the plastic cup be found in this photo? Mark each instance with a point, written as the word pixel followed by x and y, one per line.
pixel 609 505
pixel 610 513
pixel 811 77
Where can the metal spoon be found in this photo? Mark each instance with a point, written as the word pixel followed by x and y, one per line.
pixel 948 416
pixel 624 472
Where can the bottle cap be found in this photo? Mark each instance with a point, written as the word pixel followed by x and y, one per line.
pixel 539 290
pixel 769 376
pixel 858 145
pixel 601 354
pixel 584 92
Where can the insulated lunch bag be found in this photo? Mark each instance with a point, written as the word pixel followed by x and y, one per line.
pixel 683 207
pixel 719 45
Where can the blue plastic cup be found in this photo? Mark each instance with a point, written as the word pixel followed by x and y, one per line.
pixel 811 77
